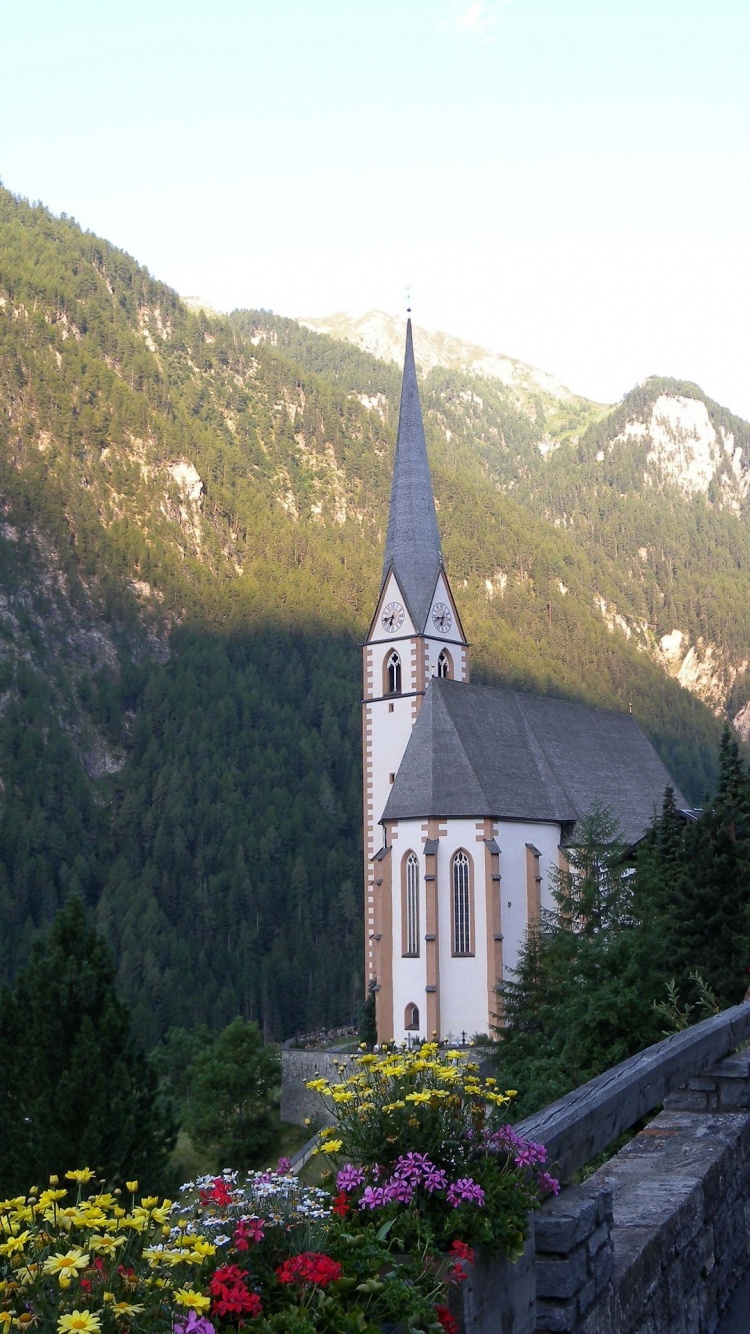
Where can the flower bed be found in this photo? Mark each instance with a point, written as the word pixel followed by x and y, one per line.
pixel 264 1253
pixel 430 1152
pixel 432 1170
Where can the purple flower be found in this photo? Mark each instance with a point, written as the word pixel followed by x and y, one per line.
pixel 530 1154
pixel 283 1167
pixel 548 1183
pixel 350 1177
pixel 195 1324
pixel 397 1189
pixel 465 1189
pixel 504 1138
pixel 372 1198
pixel 435 1179
pixel 411 1166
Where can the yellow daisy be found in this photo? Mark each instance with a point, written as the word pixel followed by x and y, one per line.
pixel 194 1300
pixel 68 1264
pixel 84 1321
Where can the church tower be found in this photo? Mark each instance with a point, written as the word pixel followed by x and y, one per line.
pixel 416 633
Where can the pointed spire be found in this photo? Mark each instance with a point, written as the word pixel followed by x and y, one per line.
pixel 412 545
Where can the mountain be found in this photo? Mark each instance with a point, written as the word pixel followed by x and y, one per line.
pixel 665 443
pixel 192 514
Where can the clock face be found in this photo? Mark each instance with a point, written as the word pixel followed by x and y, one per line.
pixel 393 616
pixel 442 618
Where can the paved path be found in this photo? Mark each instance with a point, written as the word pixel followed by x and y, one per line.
pixel 736 1320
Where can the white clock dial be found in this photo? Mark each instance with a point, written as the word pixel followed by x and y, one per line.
pixel 442 618
pixel 393 616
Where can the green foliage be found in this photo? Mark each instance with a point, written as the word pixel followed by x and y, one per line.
pixel 74 1087
pixel 680 1014
pixel 696 887
pixel 233 1103
pixel 179 730
pixel 582 996
pixel 368 1029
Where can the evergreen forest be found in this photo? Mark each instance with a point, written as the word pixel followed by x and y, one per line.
pixel 192 515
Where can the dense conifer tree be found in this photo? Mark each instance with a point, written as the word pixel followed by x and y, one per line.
pixel 581 999
pixel 234 1087
pixel 75 1090
pixel 709 922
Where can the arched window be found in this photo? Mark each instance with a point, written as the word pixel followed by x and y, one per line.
pixel 444 664
pixel 411 904
pixel 461 902
pixel 393 674
pixel 411 1017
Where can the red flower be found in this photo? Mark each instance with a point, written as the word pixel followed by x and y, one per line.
pixel 251 1228
pixel 462 1251
pixel 310 1267
pixel 218 1194
pixel 230 1294
pixel 340 1205
pixel 448 1321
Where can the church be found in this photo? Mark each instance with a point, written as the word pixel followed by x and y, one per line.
pixel 471 794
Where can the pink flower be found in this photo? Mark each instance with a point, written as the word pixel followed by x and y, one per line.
pixel 465 1190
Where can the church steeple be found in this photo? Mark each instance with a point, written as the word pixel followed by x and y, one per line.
pixel 412 546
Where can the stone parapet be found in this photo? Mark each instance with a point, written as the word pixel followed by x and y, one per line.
pixel 574 1255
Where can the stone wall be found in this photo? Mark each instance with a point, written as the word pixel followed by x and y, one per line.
pixel 656 1241
pixel 297 1102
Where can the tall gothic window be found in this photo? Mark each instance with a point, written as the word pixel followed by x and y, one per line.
pixel 411 1016
pixel 411 905
pixel 393 674
pixel 444 664
pixel 461 903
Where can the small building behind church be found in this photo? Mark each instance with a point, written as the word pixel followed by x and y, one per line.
pixel 471 794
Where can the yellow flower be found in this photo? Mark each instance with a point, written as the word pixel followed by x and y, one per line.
pixel 132 1186
pixel 68 1264
pixel 333 1146
pixel 81 1175
pixel 126 1309
pixel 106 1244
pixel 194 1300
pixel 14 1243
pixel 79 1320
pixel 203 1247
pixel 511 1093
pixel 418 1097
pixel 48 1197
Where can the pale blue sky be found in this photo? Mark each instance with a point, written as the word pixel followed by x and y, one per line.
pixel 562 180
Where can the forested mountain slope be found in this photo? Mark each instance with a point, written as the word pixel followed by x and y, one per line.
pixel 193 512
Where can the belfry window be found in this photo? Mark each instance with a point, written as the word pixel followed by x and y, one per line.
pixel 444 664
pixel 461 887
pixel 411 905
pixel 393 674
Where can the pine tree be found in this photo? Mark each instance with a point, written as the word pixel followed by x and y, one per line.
pixel 74 1087
pixel 581 999
pixel 232 1105
pixel 710 925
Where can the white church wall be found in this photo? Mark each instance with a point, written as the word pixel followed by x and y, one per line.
pixel 409 974
pixel 463 980
pixel 512 839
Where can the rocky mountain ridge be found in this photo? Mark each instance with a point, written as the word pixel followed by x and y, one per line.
pixel 193 511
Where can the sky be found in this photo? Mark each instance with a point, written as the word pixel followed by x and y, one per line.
pixel 563 181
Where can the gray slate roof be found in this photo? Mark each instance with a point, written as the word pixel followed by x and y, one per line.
pixel 412 545
pixel 478 752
